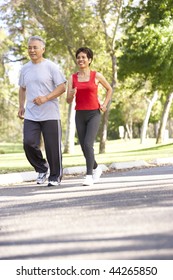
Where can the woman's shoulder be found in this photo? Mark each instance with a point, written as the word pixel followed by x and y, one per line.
pixel 95 73
pixel 73 77
pixel 75 74
pixel 99 75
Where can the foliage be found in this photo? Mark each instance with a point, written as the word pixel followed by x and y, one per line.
pixel 9 125
pixel 148 43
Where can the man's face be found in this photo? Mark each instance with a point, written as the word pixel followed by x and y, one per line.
pixel 35 50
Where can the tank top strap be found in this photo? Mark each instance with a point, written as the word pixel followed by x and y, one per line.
pixel 74 79
pixel 92 75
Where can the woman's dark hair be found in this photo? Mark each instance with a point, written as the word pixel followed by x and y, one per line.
pixel 88 52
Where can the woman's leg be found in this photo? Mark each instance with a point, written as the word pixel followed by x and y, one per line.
pixel 87 124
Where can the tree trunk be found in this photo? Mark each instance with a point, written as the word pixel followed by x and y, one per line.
pixel 104 126
pixel 70 132
pixel 148 113
pixel 160 137
pixel 110 48
pixel 128 131
pixel 103 133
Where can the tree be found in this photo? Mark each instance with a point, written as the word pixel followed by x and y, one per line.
pixel 148 113
pixel 148 44
pixel 132 104
pixel 165 113
pixel 9 129
pixel 109 13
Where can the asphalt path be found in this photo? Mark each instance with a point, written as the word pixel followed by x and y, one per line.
pixel 128 215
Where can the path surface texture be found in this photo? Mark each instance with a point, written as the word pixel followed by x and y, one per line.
pixel 128 215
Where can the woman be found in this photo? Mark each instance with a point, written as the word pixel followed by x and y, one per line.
pixel 83 86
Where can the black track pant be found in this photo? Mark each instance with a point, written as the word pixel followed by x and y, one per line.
pixel 51 131
pixel 87 125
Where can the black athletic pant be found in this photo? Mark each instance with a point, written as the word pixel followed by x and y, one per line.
pixel 51 131
pixel 87 125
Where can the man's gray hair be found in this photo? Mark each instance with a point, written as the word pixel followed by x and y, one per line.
pixel 37 38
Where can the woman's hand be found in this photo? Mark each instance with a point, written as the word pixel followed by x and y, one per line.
pixel 103 108
pixel 71 94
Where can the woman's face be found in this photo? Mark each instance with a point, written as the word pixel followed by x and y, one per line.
pixel 82 60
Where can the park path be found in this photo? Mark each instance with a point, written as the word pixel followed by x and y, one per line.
pixel 128 215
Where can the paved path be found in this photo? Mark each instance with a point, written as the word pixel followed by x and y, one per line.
pixel 128 215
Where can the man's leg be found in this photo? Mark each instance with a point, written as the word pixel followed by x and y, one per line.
pixel 51 130
pixel 31 143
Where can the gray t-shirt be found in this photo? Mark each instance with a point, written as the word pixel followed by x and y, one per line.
pixel 39 80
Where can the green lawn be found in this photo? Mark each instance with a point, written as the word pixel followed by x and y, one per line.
pixel 11 148
pixel 13 158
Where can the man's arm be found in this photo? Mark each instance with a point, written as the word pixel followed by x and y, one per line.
pixel 60 89
pixel 22 97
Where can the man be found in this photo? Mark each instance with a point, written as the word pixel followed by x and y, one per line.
pixel 41 82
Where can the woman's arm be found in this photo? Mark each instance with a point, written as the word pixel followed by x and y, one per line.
pixel 71 92
pixel 101 79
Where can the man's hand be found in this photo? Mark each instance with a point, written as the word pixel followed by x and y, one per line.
pixel 40 100
pixel 21 113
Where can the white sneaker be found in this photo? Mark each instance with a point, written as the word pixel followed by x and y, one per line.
pixel 96 174
pixel 41 178
pixel 53 183
pixel 88 181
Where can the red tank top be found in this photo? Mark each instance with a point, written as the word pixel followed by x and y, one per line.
pixel 86 95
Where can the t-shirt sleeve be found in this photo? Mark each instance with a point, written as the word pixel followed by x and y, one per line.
pixel 57 75
pixel 21 80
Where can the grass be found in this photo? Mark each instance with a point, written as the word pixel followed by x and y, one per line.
pixel 11 148
pixel 13 158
